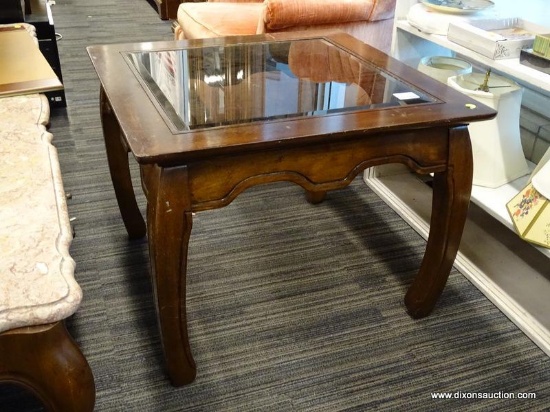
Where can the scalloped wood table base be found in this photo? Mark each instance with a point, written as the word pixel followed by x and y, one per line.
pixel 48 362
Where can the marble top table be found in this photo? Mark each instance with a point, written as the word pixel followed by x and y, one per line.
pixel 37 285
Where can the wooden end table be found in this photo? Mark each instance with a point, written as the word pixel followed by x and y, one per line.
pixel 207 119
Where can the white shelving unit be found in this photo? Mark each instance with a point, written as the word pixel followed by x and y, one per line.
pixel 513 274
pixel 511 67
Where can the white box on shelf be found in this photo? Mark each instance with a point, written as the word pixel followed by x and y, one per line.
pixel 496 38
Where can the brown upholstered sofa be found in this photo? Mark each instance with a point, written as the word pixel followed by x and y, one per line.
pixel 367 20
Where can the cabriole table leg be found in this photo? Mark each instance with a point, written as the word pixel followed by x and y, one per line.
pixel 119 167
pixel 451 197
pixel 169 221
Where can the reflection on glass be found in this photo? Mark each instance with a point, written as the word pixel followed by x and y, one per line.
pixel 214 86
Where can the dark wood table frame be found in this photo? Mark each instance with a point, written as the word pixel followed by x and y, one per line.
pixel 181 176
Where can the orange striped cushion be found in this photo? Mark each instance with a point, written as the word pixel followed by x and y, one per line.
pixel 287 13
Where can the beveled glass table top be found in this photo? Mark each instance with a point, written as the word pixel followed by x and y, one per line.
pixel 204 87
pixel 180 100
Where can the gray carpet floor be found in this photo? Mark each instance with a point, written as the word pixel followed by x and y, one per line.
pixel 292 307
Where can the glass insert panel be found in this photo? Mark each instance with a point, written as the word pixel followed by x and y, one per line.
pixel 215 86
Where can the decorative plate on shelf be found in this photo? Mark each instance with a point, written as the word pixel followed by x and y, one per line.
pixel 458 6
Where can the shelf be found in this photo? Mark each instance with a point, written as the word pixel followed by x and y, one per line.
pixel 493 202
pixel 511 272
pixel 410 44
pixel 525 75
pixel 507 270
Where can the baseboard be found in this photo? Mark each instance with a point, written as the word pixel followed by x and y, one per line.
pixel 508 271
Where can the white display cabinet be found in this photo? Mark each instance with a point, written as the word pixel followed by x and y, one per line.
pixel 513 274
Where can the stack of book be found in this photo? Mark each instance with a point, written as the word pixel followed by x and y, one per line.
pixel 539 56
